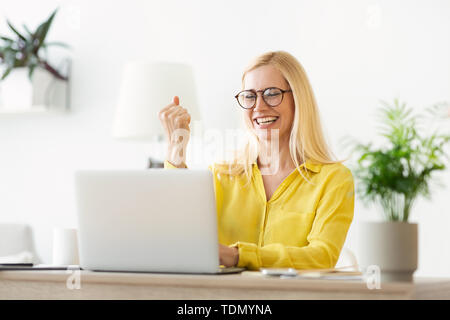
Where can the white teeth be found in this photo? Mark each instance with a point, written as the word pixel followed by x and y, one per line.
pixel 266 120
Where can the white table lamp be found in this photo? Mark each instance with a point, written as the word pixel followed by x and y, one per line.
pixel 146 88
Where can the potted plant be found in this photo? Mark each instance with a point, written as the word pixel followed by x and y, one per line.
pixel 21 56
pixel 393 177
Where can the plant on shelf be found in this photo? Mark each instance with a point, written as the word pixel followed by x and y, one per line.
pixel 25 49
pixel 395 175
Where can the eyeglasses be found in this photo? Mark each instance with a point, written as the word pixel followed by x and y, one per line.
pixel 272 97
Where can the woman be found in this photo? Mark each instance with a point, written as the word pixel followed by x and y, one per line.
pixel 284 202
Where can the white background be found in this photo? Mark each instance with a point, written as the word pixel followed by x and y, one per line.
pixel 355 52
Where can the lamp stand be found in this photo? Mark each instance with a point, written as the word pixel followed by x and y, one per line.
pixel 152 162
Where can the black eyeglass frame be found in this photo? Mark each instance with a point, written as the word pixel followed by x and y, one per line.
pixel 256 93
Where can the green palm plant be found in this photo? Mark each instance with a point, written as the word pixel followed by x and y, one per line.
pixel 395 175
pixel 25 49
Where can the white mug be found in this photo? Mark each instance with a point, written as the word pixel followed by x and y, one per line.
pixel 65 247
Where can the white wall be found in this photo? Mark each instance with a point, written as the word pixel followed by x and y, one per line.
pixel 355 52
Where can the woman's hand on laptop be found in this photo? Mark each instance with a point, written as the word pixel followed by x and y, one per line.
pixel 175 120
pixel 228 256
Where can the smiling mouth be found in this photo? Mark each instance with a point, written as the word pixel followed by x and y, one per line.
pixel 265 120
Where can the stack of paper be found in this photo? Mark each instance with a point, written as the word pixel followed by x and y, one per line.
pixel 342 273
pixel 332 274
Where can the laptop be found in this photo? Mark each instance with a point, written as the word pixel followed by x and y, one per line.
pixel 152 220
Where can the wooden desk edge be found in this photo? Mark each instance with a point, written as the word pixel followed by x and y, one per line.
pixel 238 281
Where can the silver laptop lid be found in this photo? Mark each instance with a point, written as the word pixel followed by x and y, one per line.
pixel 154 220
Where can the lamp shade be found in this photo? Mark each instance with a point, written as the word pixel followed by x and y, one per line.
pixel 146 88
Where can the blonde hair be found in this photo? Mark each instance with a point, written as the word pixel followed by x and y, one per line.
pixel 307 141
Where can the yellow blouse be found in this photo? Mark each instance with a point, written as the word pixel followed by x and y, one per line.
pixel 303 225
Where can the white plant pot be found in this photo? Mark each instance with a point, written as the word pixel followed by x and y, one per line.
pixel 19 94
pixel 392 246
pixel 16 90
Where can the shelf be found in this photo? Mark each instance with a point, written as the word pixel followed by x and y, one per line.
pixel 31 110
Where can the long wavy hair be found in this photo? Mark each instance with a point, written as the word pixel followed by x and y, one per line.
pixel 307 141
